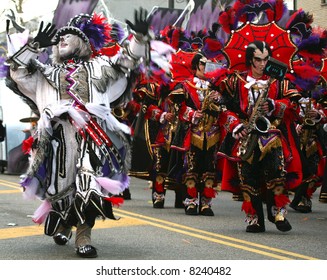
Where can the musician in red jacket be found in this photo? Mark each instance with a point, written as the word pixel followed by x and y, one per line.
pixel 197 137
pixel 260 139
pixel 310 129
pixel 163 110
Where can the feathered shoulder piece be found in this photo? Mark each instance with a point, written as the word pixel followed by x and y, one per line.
pixel 303 75
pixel 277 11
pixel 300 23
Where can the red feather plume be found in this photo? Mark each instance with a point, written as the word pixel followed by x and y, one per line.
pixel 192 192
pixel 248 208
pixel 115 200
pixel 281 200
pixel 209 192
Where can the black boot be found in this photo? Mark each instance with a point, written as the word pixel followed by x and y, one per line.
pixel 304 206
pixel 299 195
pixel 127 194
pixel 86 251
pixel 158 200
pixel 276 214
pixel 192 210
pixel 255 228
pixel 63 234
pixel 83 247
pixel 256 222
pixel 191 206
pixel 205 207
pixel 281 222
pixel 283 225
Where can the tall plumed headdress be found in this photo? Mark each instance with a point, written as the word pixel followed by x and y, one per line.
pixel 92 29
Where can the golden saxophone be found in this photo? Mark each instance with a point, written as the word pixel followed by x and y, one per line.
pixel 174 109
pixel 307 121
pixel 120 112
pixel 257 123
pixel 308 124
pixel 208 105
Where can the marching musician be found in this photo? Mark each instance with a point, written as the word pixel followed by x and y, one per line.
pixel 264 108
pixel 310 131
pixel 164 111
pixel 198 136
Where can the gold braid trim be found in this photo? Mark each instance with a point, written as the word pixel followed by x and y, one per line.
pixel 197 140
pixel 275 182
pixel 147 138
pixel 273 144
pixel 190 176
pixel 212 140
pixel 249 189
pixel 150 92
pixel 176 91
pixel 241 78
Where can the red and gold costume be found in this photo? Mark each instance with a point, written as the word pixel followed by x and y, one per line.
pixel 274 165
pixel 313 153
pixel 198 140
pixel 166 105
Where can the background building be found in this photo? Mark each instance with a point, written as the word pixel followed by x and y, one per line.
pixel 317 7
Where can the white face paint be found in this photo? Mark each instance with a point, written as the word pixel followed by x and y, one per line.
pixel 259 62
pixel 67 45
pixel 200 71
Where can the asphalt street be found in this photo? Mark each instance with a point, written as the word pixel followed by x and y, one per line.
pixel 144 234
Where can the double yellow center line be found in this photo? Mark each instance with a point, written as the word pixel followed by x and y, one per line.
pixel 240 244
pixel 132 219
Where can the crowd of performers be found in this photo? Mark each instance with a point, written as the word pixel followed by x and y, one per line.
pixel 152 106
pixel 242 130
pixel 206 137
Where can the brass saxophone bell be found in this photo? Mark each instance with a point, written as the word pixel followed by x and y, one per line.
pixel 118 112
pixel 262 124
pixel 308 122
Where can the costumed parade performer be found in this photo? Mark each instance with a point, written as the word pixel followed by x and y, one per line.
pixel 81 155
pixel 198 136
pixel 164 111
pixel 262 103
pixel 260 30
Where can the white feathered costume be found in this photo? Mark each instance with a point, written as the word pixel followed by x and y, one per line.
pixel 80 155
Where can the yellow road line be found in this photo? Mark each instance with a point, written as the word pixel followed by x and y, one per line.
pixel 9 191
pixel 10 184
pixel 16 232
pixel 201 234
pixel 132 219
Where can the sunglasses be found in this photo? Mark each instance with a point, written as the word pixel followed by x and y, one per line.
pixel 258 59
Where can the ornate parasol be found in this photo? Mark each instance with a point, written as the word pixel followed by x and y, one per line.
pixel 181 65
pixel 279 40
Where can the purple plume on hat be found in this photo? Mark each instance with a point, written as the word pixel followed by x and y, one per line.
pixel 4 69
pixel 92 29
